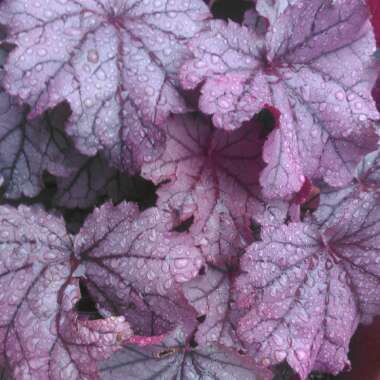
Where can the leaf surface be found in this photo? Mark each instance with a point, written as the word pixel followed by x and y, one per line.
pixel 115 62
pixel 28 148
pixel 306 288
pixel 312 69
pixel 211 295
pixel 135 264
pixel 175 359
pixel 41 336
pixel 213 176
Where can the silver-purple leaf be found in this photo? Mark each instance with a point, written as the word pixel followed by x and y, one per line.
pixel 28 148
pixel 91 179
pixel 211 296
pixel 213 176
pixel 313 68
pixel 133 258
pixel 367 180
pixel 255 21
pixel 272 9
pixel 175 359
pixel 305 289
pixel 41 336
pixel 115 62
pixel 150 315
pixel 368 171
pixel 4 374
pixel 227 65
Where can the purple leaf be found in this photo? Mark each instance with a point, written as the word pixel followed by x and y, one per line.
pixel 150 315
pixel 175 359
pixel 213 176
pixel 306 289
pixel 271 9
pixel 255 22
pixel 84 343
pixel 41 337
pixel 262 250
pixel 4 374
pixel 114 62
pixel 211 296
pixel 133 260
pixel 235 87
pixel 368 171
pixel 28 148
pixel 367 179
pixel 91 179
pixel 324 108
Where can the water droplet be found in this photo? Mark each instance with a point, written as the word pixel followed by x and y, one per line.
pixel 42 52
pixel 329 264
pixel 168 284
pixel 87 68
pixel 93 56
pixel 149 90
pixel 224 103
pixel 181 263
pixel 278 340
pixel 199 64
pixel 310 281
pixel 280 355
pixel 342 276
pixel 301 355
pixel 214 59
pixel 339 95
pixel 305 91
pixel 88 103
pixel 140 263
pixel 220 309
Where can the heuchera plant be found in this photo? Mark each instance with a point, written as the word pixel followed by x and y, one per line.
pixel 189 189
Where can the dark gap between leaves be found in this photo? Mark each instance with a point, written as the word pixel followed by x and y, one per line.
pixel 256 230
pixel 230 9
pixel 267 121
pixel 185 225
pixel 193 343
pixel 86 305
